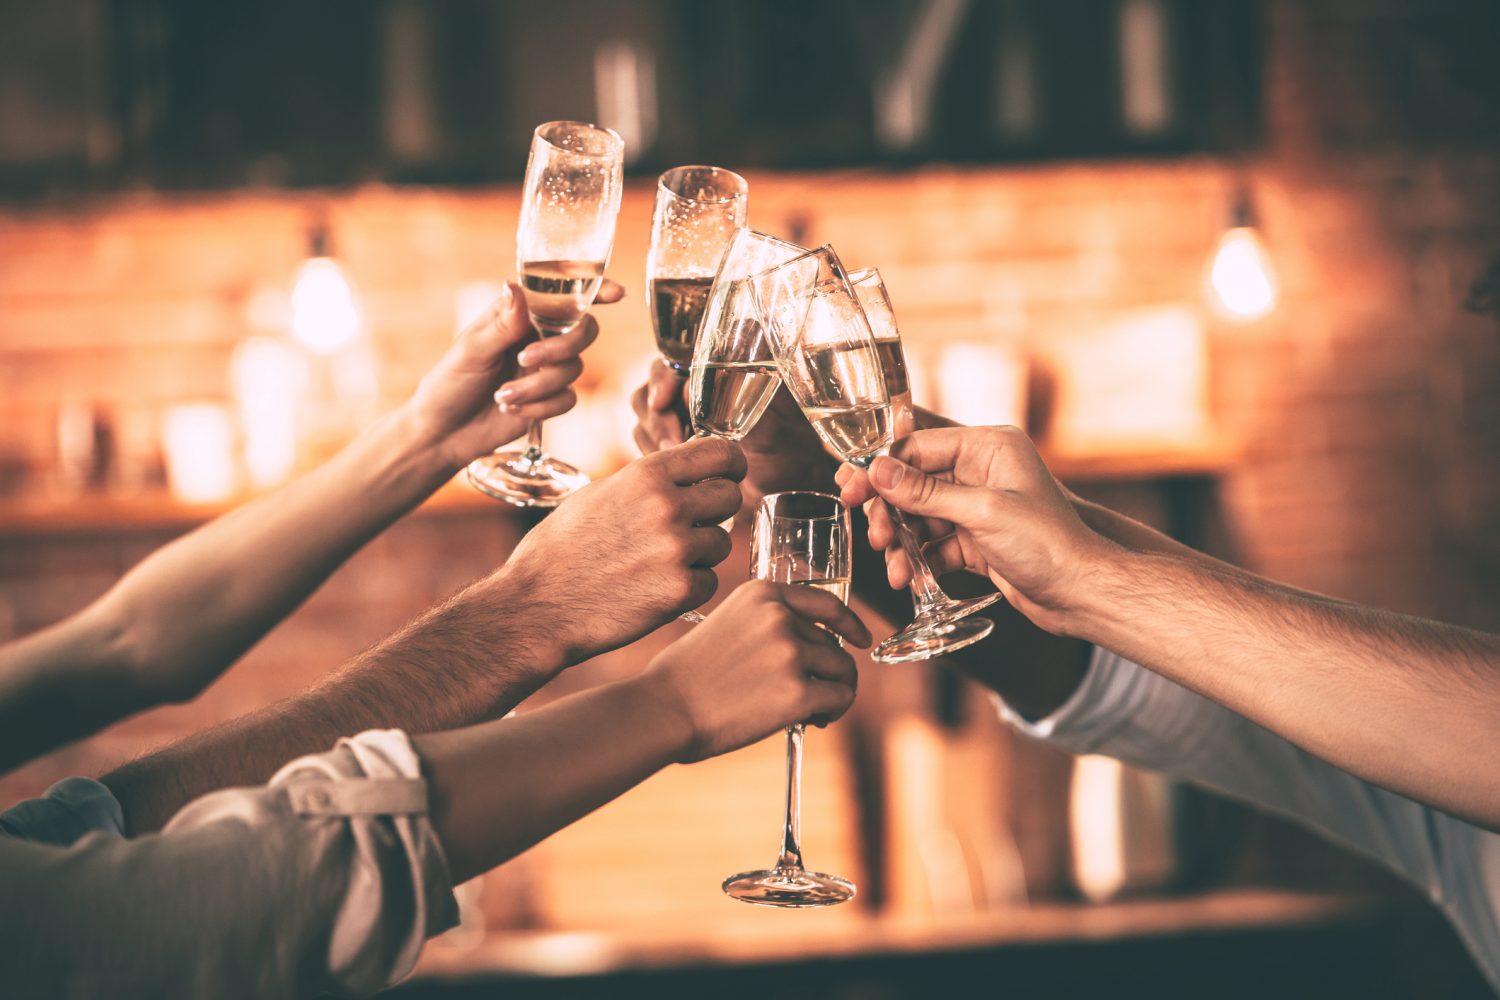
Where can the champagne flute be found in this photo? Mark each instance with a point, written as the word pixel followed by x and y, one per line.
pixel 697 211
pixel 568 208
pixel 733 376
pixel 799 538
pixel 941 623
pixel 830 361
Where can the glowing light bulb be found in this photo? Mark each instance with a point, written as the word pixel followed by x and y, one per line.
pixel 1242 279
pixel 325 317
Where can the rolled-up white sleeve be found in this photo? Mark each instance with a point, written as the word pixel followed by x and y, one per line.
pixel 1123 710
pixel 327 879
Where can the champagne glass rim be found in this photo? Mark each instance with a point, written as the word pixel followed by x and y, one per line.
pixel 742 184
pixel 864 274
pixel 838 505
pixel 616 144
pixel 825 249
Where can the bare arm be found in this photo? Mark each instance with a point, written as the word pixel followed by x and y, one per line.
pixel 477 656
pixel 755 666
pixel 330 879
pixel 1407 704
pixel 181 617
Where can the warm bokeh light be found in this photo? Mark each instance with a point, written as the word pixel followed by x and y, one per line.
pixel 269 379
pixel 982 384
pixel 325 315
pixel 198 441
pixel 1242 280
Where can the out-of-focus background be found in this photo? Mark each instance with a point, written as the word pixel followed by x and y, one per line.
pixel 1213 256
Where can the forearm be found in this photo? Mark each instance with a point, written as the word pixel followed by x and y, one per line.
pixel 1408 704
pixel 245 571
pixel 188 611
pixel 470 659
pixel 499 788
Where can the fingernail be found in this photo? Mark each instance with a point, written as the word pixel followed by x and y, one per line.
pixel 840 476
pixel 887 472
pixel 527 358
pixel 506 400
pixel 504 299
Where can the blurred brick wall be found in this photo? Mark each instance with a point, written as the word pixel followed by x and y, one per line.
pixel 1366 408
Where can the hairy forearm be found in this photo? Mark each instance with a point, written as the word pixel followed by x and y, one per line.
pixel 470 659
pixel 1408 704
pixel 499 788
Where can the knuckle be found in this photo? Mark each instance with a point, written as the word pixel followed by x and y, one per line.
pixel 763 590
pixel 659 505
pixel 677 548
pixel 680 588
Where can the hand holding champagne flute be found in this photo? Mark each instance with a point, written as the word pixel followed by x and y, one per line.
pixel 942 623
pixel 832 363
pixel 569 204
pixel 801 539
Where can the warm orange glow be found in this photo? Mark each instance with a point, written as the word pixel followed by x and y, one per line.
pixel 325 316
pixel 1242 279
pixel 1098 849
pixel 269 377
pixel 198 439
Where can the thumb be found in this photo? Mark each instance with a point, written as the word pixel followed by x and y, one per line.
pixel 918 493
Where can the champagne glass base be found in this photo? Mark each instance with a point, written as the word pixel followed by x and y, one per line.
pixel 510 476
pixel 943 628
pixel 794 887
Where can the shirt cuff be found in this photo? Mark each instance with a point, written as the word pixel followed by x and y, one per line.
pixel 374 783
pixel 1103 702
pixel 66 812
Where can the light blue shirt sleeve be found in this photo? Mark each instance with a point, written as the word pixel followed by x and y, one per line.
pixel 1125 711
pixel 67 811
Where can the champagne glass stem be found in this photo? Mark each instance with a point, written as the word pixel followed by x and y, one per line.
pixel 791 830
pixel 925 591
pixel 533 453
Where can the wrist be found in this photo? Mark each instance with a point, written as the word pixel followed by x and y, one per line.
pixel 659 708
pixel 520 621
pixel 418 447
pixel 1099 600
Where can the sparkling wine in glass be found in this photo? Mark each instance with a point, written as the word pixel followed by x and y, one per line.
pixel 840 370
pixel 568 208
pixel 799 538
pixel 942 623
pixel 697 211
pixel 733 377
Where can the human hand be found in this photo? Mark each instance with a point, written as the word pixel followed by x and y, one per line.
pixel 993 508
pixel 782 452
pixel 477 397
pixel 759 663
pixel 628 553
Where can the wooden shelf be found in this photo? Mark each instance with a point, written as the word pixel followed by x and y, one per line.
pixel 94 515
pixel 569 953
pixel 1209 457
pixel 159 511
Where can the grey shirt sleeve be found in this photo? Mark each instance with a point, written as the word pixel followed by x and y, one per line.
pixel 1125 711
pixel 329 878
